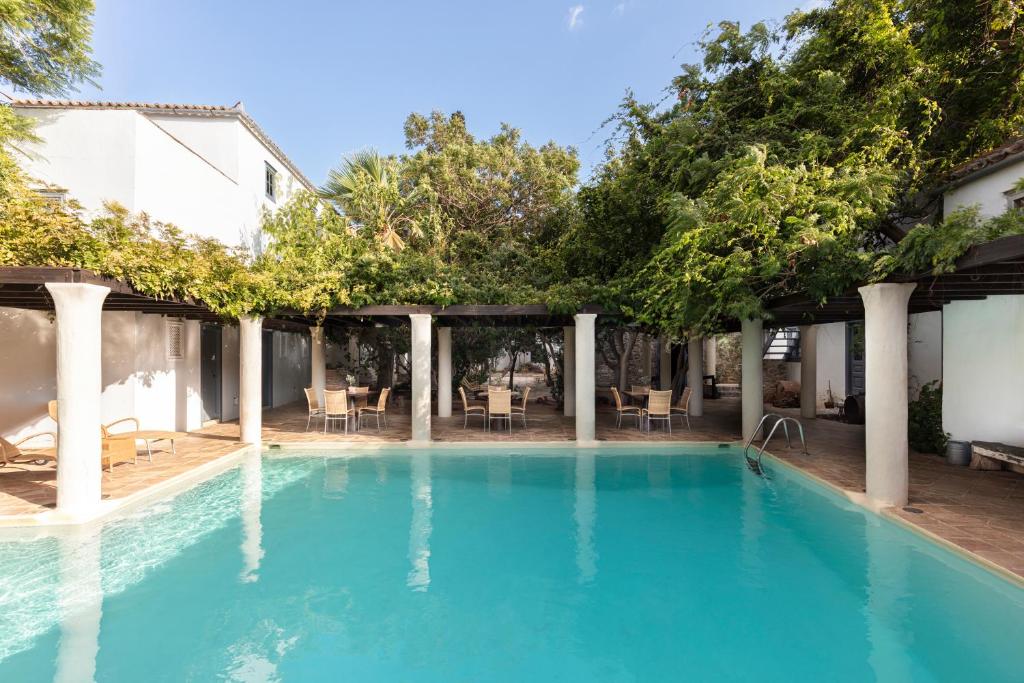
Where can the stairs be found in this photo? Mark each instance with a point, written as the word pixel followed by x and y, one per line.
pixel 782 343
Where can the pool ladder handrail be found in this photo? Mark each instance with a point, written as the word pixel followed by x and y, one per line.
pixel 755 465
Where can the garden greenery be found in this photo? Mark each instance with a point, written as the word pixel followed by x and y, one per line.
pixel 786 161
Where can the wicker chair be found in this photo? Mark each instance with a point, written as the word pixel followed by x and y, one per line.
pixel 313 404
pixel 336 408
pixel 11 453
pixel 521 410
pixel 499 407
pixel 469 411
pixel 625 411
pixel 682 407
pixel 659 407
pixel 379 411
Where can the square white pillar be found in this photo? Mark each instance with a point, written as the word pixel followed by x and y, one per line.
pixel 569 372
pixel 444 372
pixel 664 363
pixel 250 379
pixel 79 309
pixel 887 479
pixel 695 375
pixel 752 374
pixel 420 362
pixel 808 372
pixel 318 362
pixel 586 383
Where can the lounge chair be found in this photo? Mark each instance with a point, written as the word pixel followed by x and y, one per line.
pixel 682 407
pixel 116 449
pixel 149 436
pixel 468 410
pixel 499 407
pixel 11 453
pixel 659 407
pixel 625 411
pixel 336 408
pixel 313 404
pixel 379 411
pixel 517 410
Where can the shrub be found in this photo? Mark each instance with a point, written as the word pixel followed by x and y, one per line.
pixel 925 421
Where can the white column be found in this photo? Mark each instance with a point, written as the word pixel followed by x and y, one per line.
pixel 421 526
pixel 665 363
pixel 444 372
pixel 318 362
pixel 710 355
pixel 250 379
pixel 252 512
pixel 695 375
pixel 420 363
pixel 885 381
pixel 752 374
pixel 585 516
pixel 569 371
pixel 79 310
pixel 808 371
pixel 80 598
pixel 586 406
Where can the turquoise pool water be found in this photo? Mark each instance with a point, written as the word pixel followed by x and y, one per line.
pixel 498 565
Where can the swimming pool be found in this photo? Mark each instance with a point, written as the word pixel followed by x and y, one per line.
pixel 491 564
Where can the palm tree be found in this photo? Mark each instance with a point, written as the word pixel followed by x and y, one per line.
pixel 367 190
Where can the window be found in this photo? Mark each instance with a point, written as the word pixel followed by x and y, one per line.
pixel 55 197
pixel 271 182
pixel 175 340
pixel 1015 199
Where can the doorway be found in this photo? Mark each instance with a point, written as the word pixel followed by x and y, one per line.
pixel 210 371
pixel 268 369
pixel 855 358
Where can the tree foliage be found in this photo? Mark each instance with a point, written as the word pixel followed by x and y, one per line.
pixel 791 156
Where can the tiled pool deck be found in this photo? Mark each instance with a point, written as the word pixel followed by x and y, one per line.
pixel 980 512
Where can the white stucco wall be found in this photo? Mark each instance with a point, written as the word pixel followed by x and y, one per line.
pixel 205 174
pixel 831 361
pixel 983 370
pixel 89 153
pixel 987 191
pixel 137 378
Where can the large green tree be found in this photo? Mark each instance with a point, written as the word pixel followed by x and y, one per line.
pixel 790 157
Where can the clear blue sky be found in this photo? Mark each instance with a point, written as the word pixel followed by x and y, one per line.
pixel 328 78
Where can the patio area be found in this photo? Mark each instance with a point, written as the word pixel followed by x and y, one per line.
pixel 978 512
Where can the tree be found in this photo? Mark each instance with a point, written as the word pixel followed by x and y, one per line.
pixel 368 189
pixel 45 45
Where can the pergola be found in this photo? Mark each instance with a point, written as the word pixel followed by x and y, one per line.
pixel 990 269
pixel 579 330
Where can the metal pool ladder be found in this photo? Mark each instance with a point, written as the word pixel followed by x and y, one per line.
pixel 755 464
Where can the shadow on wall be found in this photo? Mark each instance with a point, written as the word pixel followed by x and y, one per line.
pixel 28 369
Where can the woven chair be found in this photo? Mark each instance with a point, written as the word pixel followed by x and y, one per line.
pixel 625 411
pixel 11 453
pixel 659 407
pixel 469 411
pixel 682 407
pixel 149 436
pixel 379 411
pixel 336 408
pixel 314 406
pixel 521 410
pixel 499 407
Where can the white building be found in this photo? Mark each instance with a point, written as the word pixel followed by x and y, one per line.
pixel 975 347
pixel 209 170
